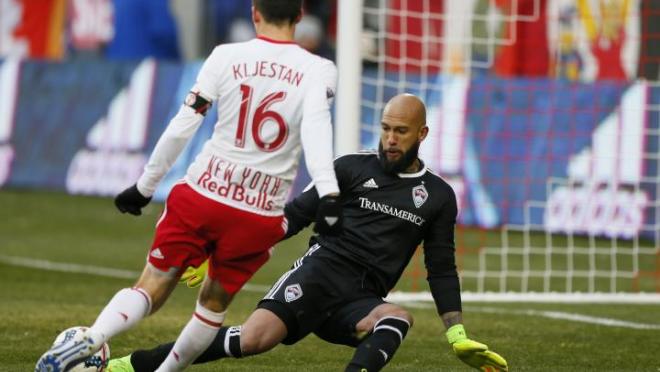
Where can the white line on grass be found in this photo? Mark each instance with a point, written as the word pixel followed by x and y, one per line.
pixel 568 316
pixel 91 270
pixel 130 274
pixel 546 314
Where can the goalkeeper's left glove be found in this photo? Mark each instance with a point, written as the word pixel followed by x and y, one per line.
pixel 194 276
pixel 473 353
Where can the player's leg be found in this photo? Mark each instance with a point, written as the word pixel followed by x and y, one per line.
pixel 262 331
pixel 383 329
pixel 126 308
pixel 375 327
pixel 202 327
pixel 130 305
pixel 288 312
pixel 173 248
pixel 176 246
pixel 242 247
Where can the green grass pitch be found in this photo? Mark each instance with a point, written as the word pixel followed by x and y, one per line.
pixel 35 304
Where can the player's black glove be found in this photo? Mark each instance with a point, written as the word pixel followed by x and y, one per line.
pixel 329 216
pixel 131 201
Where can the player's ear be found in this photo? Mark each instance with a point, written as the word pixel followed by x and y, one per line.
pixel 423 132
pixel 299 17
pixel 256 16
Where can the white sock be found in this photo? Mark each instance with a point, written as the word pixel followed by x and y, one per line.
pixel 125 309
pixel 196 337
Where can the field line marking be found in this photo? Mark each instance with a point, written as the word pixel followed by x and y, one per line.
pixel 573 317
pixel 131 274
pixel 536 297
pixel 65 267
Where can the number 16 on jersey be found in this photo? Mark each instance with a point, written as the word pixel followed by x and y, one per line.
pixel 261 116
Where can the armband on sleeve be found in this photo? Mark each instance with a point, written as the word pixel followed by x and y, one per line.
pixel 198 103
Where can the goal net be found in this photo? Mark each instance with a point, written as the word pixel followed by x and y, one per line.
pixel 557 174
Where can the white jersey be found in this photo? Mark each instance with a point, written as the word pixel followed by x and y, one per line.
pixel 272 99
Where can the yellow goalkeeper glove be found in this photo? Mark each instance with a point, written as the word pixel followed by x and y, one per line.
pixel 473 353
pixel 194 276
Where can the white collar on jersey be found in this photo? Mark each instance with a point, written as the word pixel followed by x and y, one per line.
pixel 413 175
pixel 419 173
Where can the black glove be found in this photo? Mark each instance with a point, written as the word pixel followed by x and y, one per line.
pixel 329 216
pixel 131 201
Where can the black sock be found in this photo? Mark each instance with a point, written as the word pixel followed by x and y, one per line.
pixel 377 349
pixel 149 360
pixel 217 349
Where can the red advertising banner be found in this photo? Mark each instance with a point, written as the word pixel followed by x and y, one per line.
pixel 30 28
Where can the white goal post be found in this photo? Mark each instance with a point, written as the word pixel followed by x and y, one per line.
pixel 349 63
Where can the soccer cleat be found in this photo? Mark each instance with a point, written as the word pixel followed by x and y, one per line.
pixel 120 365
pixel 64 356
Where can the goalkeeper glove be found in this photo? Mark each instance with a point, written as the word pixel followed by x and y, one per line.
pixel 131 201
pixel 329 216
pixel 473 353
pixel 194 276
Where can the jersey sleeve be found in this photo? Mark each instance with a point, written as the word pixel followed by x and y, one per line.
pixel 182 127
pixel 208 78
pixel 316 128
pixel 170 144
pixel 301 211
pixel 439 257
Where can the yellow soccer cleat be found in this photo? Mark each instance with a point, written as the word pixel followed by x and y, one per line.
pixel 120 365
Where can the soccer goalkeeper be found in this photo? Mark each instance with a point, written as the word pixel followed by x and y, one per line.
pixel 391 204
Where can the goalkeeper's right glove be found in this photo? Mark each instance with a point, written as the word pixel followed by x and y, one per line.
pixel 194 276
pixel 131 201
pixel 473 353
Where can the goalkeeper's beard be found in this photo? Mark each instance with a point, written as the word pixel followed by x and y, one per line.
pixel 400 165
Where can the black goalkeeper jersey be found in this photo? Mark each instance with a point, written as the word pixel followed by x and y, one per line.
pixel 386 217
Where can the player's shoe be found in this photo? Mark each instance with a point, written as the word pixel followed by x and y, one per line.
pixel 64 356
pixel 120 365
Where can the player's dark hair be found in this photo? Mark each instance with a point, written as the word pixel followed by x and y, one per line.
pixel 279 12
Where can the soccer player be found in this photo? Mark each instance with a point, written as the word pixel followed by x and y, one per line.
pixel 391 203
pixel 273 98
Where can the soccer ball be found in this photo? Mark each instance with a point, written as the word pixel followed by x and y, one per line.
pixel 95 363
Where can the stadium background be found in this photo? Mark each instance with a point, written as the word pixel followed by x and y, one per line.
pixel 543 116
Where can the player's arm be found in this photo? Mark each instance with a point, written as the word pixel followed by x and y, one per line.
pixel 301 211
pixel 316 138
pixel 439 256
pixel 173 140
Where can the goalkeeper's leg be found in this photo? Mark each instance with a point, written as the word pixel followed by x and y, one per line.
pixel 262 331
pixel 149 360
pixel 385 327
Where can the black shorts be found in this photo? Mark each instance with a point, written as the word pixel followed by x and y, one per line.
pixel 322 294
